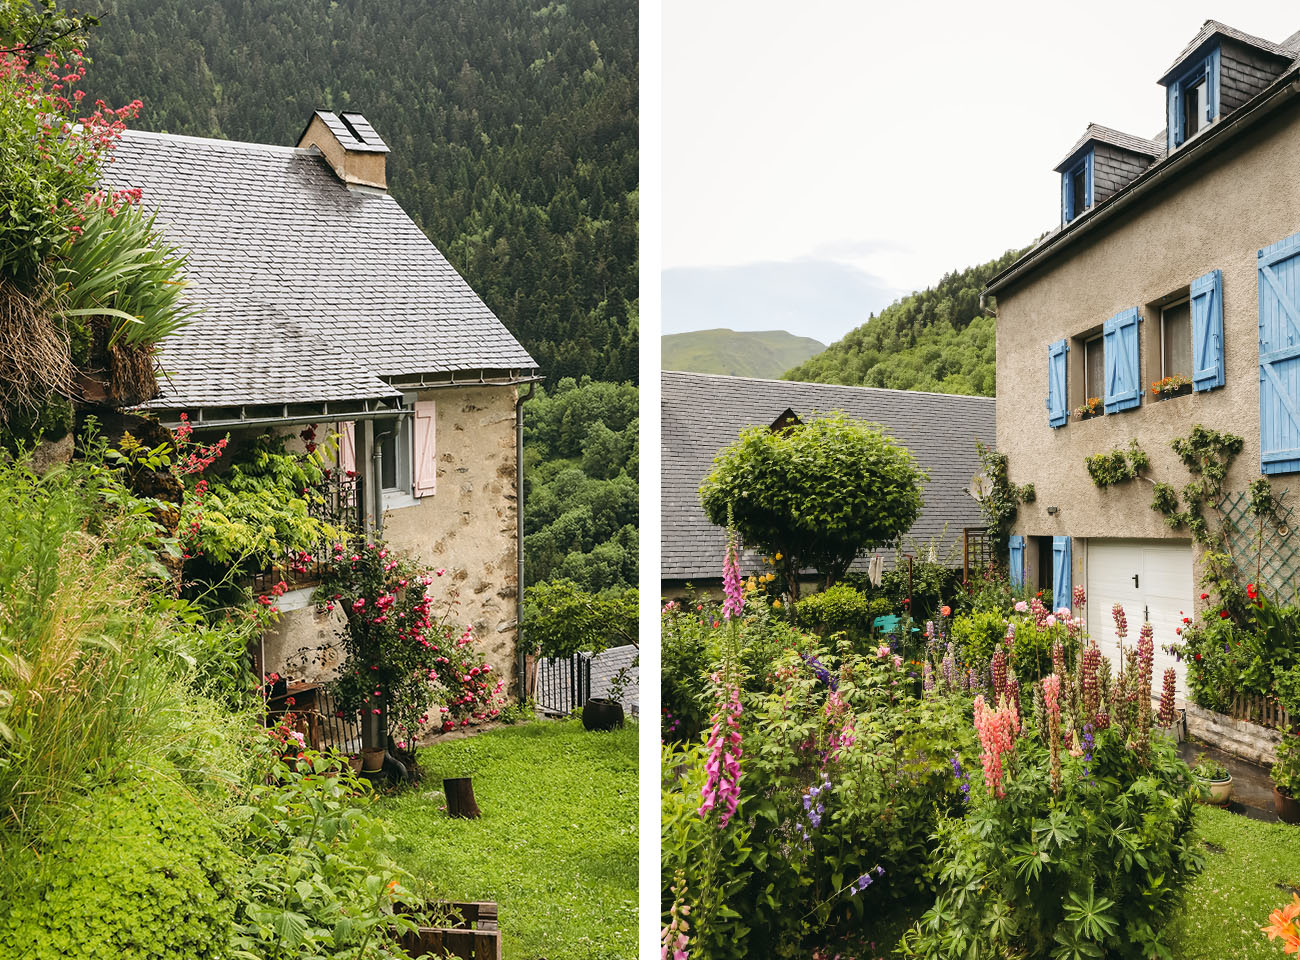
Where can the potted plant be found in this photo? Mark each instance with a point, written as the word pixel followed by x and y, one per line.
pixel 1214 780
pixel 1176 385
pixel 1286 779
pixel 1090 408
pixel 606 713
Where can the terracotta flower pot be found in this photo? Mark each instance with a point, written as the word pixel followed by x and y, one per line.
pixel 372 760
pixel 600 713
pixel 1286 806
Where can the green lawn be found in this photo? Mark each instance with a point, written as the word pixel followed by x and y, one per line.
pixel 1250 870
pixel 556 847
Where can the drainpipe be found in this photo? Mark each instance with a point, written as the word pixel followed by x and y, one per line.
pixel 376 464
pixel 521 662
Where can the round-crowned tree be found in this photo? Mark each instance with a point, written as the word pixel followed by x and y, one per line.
pixel 815 495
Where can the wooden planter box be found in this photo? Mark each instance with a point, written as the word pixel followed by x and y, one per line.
pixel 474 934
pixel 1099 412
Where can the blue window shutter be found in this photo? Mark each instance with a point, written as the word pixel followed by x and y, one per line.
pixel 1279 356
pixel 1087 179
pixel 1057 414
pixel 1017 565
pixel 1175 122
pixel 1062 590
pixel 1122 361
pixel 1067 198
pixel 1207 331
pixel 1212 85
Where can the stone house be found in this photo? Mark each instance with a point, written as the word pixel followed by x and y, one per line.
pixel 1176 257
pixel 323 303
pixel 703 413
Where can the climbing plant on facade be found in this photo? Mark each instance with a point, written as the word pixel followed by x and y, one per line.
pixel 1117 466
pixel 998 497
pixel 1208 455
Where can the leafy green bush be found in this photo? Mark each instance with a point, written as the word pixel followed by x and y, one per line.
pixel 560 618
pixel 313 883
pixel 816 495
pixel 979 633
pixel 1088 872
pixel 1286 769
pixel 141 872
pixel 838 608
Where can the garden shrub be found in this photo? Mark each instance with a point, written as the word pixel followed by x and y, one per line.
pixel 142 872
pixel 979 633
pixel 560 618
pixel 838 608
pixel 1089 872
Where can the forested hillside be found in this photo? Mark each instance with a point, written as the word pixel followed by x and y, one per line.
pixel 937 339
pixel 737 353
pixel 512 124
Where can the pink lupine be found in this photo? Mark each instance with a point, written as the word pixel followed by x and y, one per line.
pixel 999 670
pixel 1079 597
pixel 996 732
pixel 1052 703
pixel 722 784
pixel 1121 622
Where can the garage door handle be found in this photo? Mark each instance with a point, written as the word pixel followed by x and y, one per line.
pixel 1135 581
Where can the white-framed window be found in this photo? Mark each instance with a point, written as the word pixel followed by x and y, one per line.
pixel 394 440
pixel 1176 338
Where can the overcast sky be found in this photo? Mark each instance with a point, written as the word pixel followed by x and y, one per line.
pixel 822 158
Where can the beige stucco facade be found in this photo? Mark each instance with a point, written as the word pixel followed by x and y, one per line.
pixel 466 527
pixel 1215 215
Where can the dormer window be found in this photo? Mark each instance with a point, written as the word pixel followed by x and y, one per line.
pixel 1194 99
pixel 1076 188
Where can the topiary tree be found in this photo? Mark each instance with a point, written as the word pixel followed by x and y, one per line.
pixel 815 495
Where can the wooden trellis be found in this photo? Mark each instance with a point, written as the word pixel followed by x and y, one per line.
pixel 1265 549
pixel 977 551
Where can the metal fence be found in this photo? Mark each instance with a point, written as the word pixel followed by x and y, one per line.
pixel 564 683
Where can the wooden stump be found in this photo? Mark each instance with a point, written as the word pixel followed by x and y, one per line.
pixel 460 798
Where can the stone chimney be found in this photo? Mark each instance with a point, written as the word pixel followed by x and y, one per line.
pixel 350 145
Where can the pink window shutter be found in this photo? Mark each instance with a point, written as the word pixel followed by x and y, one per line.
pixel 424 423
pixel 347 447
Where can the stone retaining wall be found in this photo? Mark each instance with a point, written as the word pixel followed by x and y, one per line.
pixel 1249 741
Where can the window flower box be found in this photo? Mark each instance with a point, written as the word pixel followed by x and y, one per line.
pixel 1170 387
pixel 1092 407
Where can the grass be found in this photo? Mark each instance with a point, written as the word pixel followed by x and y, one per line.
pixel 1251 869
pixel 556 847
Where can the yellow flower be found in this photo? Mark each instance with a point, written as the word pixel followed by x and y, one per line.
pixel 778 556
pixel 776 604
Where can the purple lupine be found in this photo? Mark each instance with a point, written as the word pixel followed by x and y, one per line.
pixel 961 776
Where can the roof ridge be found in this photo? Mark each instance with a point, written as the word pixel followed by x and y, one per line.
pixel 217 141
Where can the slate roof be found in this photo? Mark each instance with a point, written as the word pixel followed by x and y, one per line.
pixel 1213 28
pixel 275 238
pixel 1125 141
pixel 703 413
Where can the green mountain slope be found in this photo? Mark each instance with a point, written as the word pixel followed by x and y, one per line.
pixel 740 353
pixel 512 124
pixel 937 339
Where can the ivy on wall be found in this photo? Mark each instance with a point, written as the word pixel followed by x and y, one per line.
pixel 998 497
pixel 1207 455
pixel 1117 466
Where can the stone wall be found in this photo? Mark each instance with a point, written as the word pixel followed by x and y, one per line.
pixel 1237 737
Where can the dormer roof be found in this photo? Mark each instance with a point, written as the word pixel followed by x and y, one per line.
pixel 1096 133
pixel 1213 31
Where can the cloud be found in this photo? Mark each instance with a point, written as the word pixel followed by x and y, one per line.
pixel 822 299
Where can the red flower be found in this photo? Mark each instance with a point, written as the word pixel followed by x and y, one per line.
pixel 1205 596
pixel 1251 591
pixel 1223 614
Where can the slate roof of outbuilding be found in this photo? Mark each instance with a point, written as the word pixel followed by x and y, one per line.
pixel 1125 141
pixel 703 413
pixel 273 235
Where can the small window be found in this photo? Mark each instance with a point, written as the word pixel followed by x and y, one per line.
pixel 1079 189
pixel 1176 339
pixel 1094 369
pixel 1076 188
pixel 394 456
pixel 1194 102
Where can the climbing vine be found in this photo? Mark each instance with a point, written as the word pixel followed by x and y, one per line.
pixel 999 498
pixel 1207 455
pixel 1117 466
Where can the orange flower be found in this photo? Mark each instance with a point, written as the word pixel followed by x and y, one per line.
pixel 1282 925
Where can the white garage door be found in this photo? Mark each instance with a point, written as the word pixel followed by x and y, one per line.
pixel 1153 580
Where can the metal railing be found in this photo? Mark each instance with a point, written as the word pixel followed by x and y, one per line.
pixel 564 683
pixel 339 501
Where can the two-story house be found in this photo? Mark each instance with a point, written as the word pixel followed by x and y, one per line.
pixel 1177 256
pixel 323 304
